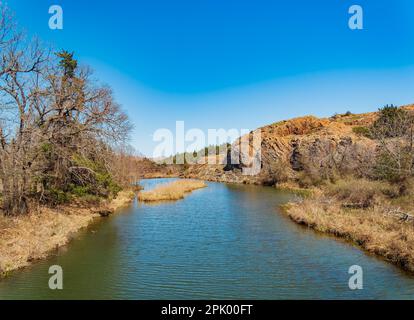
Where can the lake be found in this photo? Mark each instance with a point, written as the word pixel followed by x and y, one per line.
pixel 221 242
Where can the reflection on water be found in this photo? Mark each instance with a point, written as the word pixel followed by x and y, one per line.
pixel 222 242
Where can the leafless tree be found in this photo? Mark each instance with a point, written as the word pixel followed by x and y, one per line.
pixel 394 131
pixel 333 158
pixel 54 119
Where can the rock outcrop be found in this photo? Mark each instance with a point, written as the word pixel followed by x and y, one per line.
pixel 288 147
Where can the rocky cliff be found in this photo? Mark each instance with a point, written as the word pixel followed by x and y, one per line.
pixel 289 147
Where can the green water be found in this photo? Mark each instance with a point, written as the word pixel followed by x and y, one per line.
pixel 222 242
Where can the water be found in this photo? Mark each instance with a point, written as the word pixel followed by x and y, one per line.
pixel 222 242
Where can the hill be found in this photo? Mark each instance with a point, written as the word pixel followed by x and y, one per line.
pixel 290 147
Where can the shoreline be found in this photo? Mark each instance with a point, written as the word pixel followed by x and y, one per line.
pixel 389 236
pixel 26 239
pixel 383 235
pixel 37 235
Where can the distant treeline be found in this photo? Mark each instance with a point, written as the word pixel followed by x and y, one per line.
pixel 211 150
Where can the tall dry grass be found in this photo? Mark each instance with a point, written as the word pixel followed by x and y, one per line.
pixel 175 190
pixel 361 193
pixel 34 236
pixel 375 229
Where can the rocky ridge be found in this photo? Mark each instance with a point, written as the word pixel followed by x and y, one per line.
pixel 288 146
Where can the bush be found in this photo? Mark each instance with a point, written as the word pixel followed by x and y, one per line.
pixel 393 122
pixel 360 193
pixel 98 181
pixel 395 167
pixel 362 131
pixel 394 130
pixel 56 196
pixel 308 179
pixel 80 191
pixel 383 168
pixel 279 171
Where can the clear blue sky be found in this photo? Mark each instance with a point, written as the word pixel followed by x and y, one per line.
pixel 235 64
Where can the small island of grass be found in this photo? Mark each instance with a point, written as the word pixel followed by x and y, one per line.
pixel 175 190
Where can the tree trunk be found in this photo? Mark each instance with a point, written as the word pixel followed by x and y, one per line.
pixel 15 205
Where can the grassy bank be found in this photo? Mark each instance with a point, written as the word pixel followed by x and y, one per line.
pixel 370 214
pixel 26 238
pixel 175 190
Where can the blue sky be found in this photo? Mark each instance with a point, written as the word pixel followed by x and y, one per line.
pixel 235 64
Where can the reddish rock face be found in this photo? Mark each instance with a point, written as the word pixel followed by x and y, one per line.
pixel 288 148
pixel 294 145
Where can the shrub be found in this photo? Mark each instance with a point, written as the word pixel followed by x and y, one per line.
pixel 394 131
pixel 95 181
pixel 56 196
pixel 394 163
pixel 279 171
pixel 393 122
pixel 362 131
pixel 80 191
pixel 308 179
pixel 360 193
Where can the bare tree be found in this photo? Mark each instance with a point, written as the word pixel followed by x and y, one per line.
pixel 20 65
pixel 394 131
pixel 327 159
pixel 57 126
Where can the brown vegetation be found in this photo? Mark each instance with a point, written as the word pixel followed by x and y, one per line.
pixel 354 173
pixel 24 239
pixel 175 190
pixel 309 150
pixel 58 126
pixel 371 204
pixel 63 157
pixel 380 227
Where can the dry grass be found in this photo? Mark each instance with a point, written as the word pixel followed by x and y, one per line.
pixel 374 229
pixel 123 199
pixel 296 189
pixel 28 238
pixel 175 190
pixel 361 193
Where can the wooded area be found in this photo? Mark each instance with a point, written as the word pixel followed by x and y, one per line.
pixel 61 132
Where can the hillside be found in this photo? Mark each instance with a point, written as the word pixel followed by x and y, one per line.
pixel 289 147
pixel 354 172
